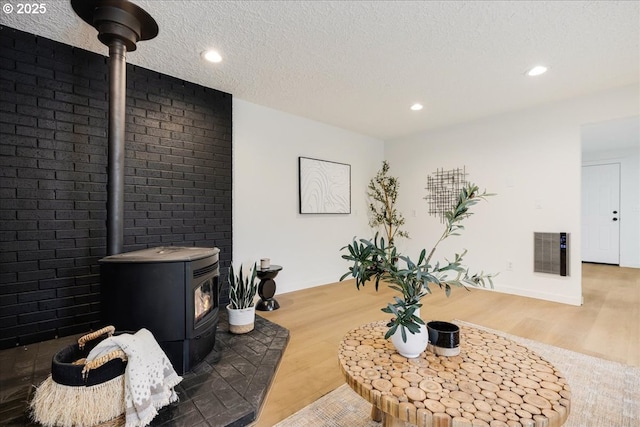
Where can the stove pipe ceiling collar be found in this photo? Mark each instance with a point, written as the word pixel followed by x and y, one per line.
pixel 120 26
pixel 117 19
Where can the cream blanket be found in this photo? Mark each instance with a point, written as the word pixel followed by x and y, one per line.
pixel 149 377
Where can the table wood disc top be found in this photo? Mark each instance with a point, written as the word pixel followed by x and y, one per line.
pixel 493 382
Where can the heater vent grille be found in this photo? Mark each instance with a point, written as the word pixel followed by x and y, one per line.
pixel 551 252
pixel 204 270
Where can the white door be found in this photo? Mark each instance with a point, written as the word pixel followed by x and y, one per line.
pixel 601 213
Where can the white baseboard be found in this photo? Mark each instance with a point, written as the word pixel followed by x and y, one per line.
pixel 539 295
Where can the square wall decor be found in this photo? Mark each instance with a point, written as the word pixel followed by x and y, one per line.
pixel 324 187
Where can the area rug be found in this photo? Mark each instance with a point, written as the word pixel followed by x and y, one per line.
pixel 603 393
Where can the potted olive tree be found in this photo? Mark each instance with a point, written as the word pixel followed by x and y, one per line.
pixel 373 260
pixel 241 308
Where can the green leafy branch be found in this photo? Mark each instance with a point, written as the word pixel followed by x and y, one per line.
pixel 468 197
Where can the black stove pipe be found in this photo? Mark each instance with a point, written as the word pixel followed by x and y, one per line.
pixel 115 183
pixel 120 26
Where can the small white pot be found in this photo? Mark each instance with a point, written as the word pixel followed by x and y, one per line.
pixel 416 343
pixel 241 320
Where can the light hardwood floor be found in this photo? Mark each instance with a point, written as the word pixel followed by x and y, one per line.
pixel 606 326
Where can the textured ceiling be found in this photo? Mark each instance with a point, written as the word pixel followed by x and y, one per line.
pixel 359 65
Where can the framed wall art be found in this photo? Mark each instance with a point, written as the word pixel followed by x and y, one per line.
pixel 324 186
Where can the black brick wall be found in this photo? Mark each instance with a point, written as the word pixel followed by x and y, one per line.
pixel 53 176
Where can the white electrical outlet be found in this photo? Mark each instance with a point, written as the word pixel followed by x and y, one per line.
pixel 509 266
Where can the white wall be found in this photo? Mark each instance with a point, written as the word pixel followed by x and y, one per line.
pixel 629 160
pixel 532 160
pixel 266 222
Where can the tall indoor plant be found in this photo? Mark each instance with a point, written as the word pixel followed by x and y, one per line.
pixel 242 292
pixel 374 260
pixel 383 193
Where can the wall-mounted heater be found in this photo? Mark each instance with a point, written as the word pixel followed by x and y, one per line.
pixel 551 253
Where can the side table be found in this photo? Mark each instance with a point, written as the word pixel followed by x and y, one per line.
pixel 493 382
pixel 267 288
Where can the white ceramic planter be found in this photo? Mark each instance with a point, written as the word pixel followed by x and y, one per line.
pixel 241 320
pixel 416 343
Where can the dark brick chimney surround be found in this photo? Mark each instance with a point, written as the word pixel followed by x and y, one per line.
pixel 53 179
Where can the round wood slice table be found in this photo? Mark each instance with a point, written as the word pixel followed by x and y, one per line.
pixel 493 382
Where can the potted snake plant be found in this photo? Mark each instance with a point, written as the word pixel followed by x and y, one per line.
pixel 241 308
pixel 375 260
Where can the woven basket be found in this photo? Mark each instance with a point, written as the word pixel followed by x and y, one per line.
pixel 79 393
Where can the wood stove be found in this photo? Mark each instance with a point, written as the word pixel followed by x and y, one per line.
pixel 172 291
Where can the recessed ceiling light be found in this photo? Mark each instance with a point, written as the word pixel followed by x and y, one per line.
pixel 417 107
pixel 537 70
pixel 211 56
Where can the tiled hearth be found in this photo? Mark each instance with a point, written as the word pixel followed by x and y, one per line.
pixel 226 389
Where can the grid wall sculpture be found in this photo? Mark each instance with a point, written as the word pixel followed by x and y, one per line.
pixel 443 189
